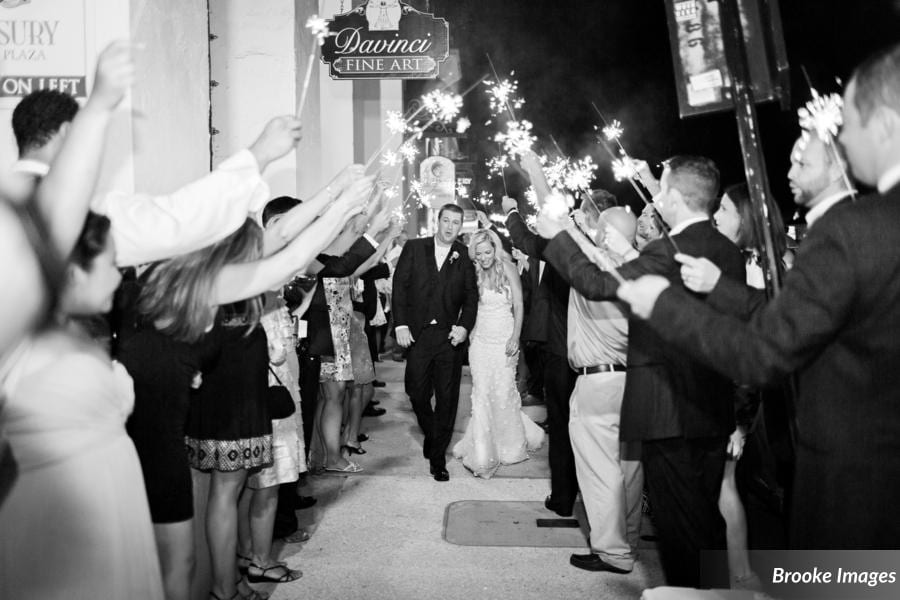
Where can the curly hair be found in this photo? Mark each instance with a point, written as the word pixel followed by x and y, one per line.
pixel 493 278
pixel 38 117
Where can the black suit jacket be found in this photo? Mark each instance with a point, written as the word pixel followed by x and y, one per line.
pixel 319 325
pixel 422 293
pixel 836 324
pixel 667 393
pixel 547 318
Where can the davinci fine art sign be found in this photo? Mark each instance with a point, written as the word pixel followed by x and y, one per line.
pixel 386 39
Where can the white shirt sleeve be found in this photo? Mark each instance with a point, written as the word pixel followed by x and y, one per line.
pixel 149 228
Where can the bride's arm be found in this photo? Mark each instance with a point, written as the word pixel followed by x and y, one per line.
pixel 515 286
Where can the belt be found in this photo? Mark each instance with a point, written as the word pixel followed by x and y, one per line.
pixel 599 369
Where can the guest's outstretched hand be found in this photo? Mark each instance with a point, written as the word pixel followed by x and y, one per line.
pixel 641 294
pixel 483 219
pixel 508 204
pixel 353 198
pixel 278 137
pixel 698 274
pixel 114 76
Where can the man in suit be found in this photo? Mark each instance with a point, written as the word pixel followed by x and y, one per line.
pixel 835 324
pixel 435 303
pixel 679 409
pixel 546 326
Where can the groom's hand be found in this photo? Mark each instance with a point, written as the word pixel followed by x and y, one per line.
pixel 457 335
pixel 404 337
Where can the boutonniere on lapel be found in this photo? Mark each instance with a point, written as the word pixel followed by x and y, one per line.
pixel 454 256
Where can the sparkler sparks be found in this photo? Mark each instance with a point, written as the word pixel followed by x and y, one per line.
pixel 580 174
pixel 319 28
pixel 518 139
pixel 442 106
pixel 390 159
pixel 624 168
pixel 556 206
pixel 395 122
pixel 555 171
pixel 462 125
pixel 822 115
pixel 408 151
pixel 531 197
pixel 613 131
pixel 502 96
pixel 497 164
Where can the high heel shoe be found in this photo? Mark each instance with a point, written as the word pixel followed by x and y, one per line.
pixel 353 449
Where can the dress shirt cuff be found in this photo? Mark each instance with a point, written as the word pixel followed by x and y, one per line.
pixel 511 211
pixel 399 327
pixel 371 240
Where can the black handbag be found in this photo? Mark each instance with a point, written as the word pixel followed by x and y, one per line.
pixel 281 403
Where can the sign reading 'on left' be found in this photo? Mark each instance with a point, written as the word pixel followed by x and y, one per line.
pixel 42 47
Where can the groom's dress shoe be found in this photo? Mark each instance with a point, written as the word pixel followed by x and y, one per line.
pixel 373 411
pixel 549 504
pixel 592 562
pixel 440 474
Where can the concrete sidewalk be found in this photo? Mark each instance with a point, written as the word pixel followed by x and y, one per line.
pixel 378 534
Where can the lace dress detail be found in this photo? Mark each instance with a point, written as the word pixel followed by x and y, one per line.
pixel 499 433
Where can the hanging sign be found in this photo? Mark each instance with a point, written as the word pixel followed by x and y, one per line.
pixel 42 47
pixel 386 39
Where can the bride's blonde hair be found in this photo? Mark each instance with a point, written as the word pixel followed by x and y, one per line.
pixel 494 277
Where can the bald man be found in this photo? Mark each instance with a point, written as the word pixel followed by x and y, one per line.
pixel 609 472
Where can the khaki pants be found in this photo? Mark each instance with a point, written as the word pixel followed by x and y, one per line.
pixel 609 473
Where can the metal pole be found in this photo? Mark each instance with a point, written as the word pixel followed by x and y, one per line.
pixel 745 112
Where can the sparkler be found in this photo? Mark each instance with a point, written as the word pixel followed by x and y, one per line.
pixel 625 168
pixel 390 159
pixel 613 131
pixel 319 29
pixel 518 139
pixel 579 174
pixel 408 151
pixel 823 115
pixel 396 123
pixel 462 125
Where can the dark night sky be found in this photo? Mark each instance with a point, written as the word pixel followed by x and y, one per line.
pixel 567 53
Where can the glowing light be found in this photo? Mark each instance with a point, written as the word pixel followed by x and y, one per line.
pixel 408 151
pixel 555 171
pixel 502 95
pixel 556 206
pixel 462 191
pixel 613 131
pixel 395 122
pixel 497 164
pixel 518 139
pixel 462 125
pixel 624 168
pixel 531 197
pixel 390 159
pixel 442 106
pixel 822 115
pixel 319 28
pixel 580 174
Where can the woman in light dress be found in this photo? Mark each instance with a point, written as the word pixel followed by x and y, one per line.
pixel 79 505
pixel 498 433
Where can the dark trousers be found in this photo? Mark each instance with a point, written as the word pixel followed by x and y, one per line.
pixel 559 381
pixel 434 368
pixel 683 479
pixel 534 361
pixel 309 392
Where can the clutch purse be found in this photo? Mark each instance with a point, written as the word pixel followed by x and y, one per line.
pixel 280 401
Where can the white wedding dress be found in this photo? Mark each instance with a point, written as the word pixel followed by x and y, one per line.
pixel 499 433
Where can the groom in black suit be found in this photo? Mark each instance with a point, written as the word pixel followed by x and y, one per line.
pixel 435 302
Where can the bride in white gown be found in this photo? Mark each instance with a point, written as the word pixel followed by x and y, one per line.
pixel 499 433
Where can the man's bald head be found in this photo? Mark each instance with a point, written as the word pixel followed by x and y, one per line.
pixel 622 220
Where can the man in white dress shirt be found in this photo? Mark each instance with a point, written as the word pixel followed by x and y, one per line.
pixel 148 228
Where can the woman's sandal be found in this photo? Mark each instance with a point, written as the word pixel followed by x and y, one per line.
pixel 289 574
pixel 242 563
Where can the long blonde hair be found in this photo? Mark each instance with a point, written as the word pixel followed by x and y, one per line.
pixel 177 295
pixel 495 277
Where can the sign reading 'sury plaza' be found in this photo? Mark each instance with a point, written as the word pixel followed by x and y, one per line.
pixel 386 39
